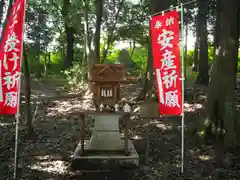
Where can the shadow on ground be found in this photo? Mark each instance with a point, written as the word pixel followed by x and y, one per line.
pixel 47 156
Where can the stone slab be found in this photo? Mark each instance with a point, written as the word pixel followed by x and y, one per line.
pixel 106 135
pixel 104 160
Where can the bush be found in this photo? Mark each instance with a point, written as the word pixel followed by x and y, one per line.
pixel 140 57
pixel 75 75
pixel 35 67
pixel 189 58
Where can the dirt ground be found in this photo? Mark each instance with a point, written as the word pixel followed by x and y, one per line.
pixel 57 131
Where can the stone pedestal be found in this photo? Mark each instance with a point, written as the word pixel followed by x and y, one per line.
pixel 104 161
pixel 106 135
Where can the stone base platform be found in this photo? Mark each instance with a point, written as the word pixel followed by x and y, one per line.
pixel 104 160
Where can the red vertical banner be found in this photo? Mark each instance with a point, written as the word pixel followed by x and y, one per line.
pixel 10 59
pixel 166 62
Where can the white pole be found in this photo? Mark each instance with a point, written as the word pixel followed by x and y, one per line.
pixel 182 60
pixel 182 69
pixel 19 98
pixel 16 143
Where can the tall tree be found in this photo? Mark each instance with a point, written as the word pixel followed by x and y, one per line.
pixel 112 29
pixel 69 30
pixel 197 45
pixel 222 97
pixel 99 14
pixel 203 76
pixel 156 6
pixel 216 30
pixel 187 20
pixel 2 4
pixel 39 32
pixel 27 88
pixel 86 33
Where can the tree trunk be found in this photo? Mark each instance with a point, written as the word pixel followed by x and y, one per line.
pixel 86 35
pixel 27 87
pixel 196 47
pixel 49 59
pixel 69 30
pixel 156 6
pixel 149 78
pixel 222 100
pixel 2 4
pixel 70 43
pixel 10 4
pixel 133 48
pixel 203 75
pixel 99 12
pixel 186 39
pixel 45 64
pixel 89 54
pixel 185 49
pixel 86 47
pixel 45 56
pixel 143 92
pixel 111 34
pixel 216 32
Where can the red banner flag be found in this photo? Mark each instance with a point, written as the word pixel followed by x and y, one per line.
pixel 166 57
pixel 10 59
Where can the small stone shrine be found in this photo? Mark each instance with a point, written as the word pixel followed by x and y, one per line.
pixel 106 80
pixel 106 142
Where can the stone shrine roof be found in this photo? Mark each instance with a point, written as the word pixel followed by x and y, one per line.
pixel 108 73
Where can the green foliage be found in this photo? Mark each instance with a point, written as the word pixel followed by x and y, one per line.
pixel 190 77
pixel 140 57
pixel 210 54
pixel 112 56
pixel 55 65
pixel 45 22
pixel 75 75
pixel 238 61
pixel 37 63
pixel 56 58
pixel 189 58
pixel 35 67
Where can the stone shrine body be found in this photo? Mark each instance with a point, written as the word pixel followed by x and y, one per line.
pixel 106 136
pixel 105 80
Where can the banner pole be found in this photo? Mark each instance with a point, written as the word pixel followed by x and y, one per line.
pixel 17 116
pixel 16 144
pixel 182 60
